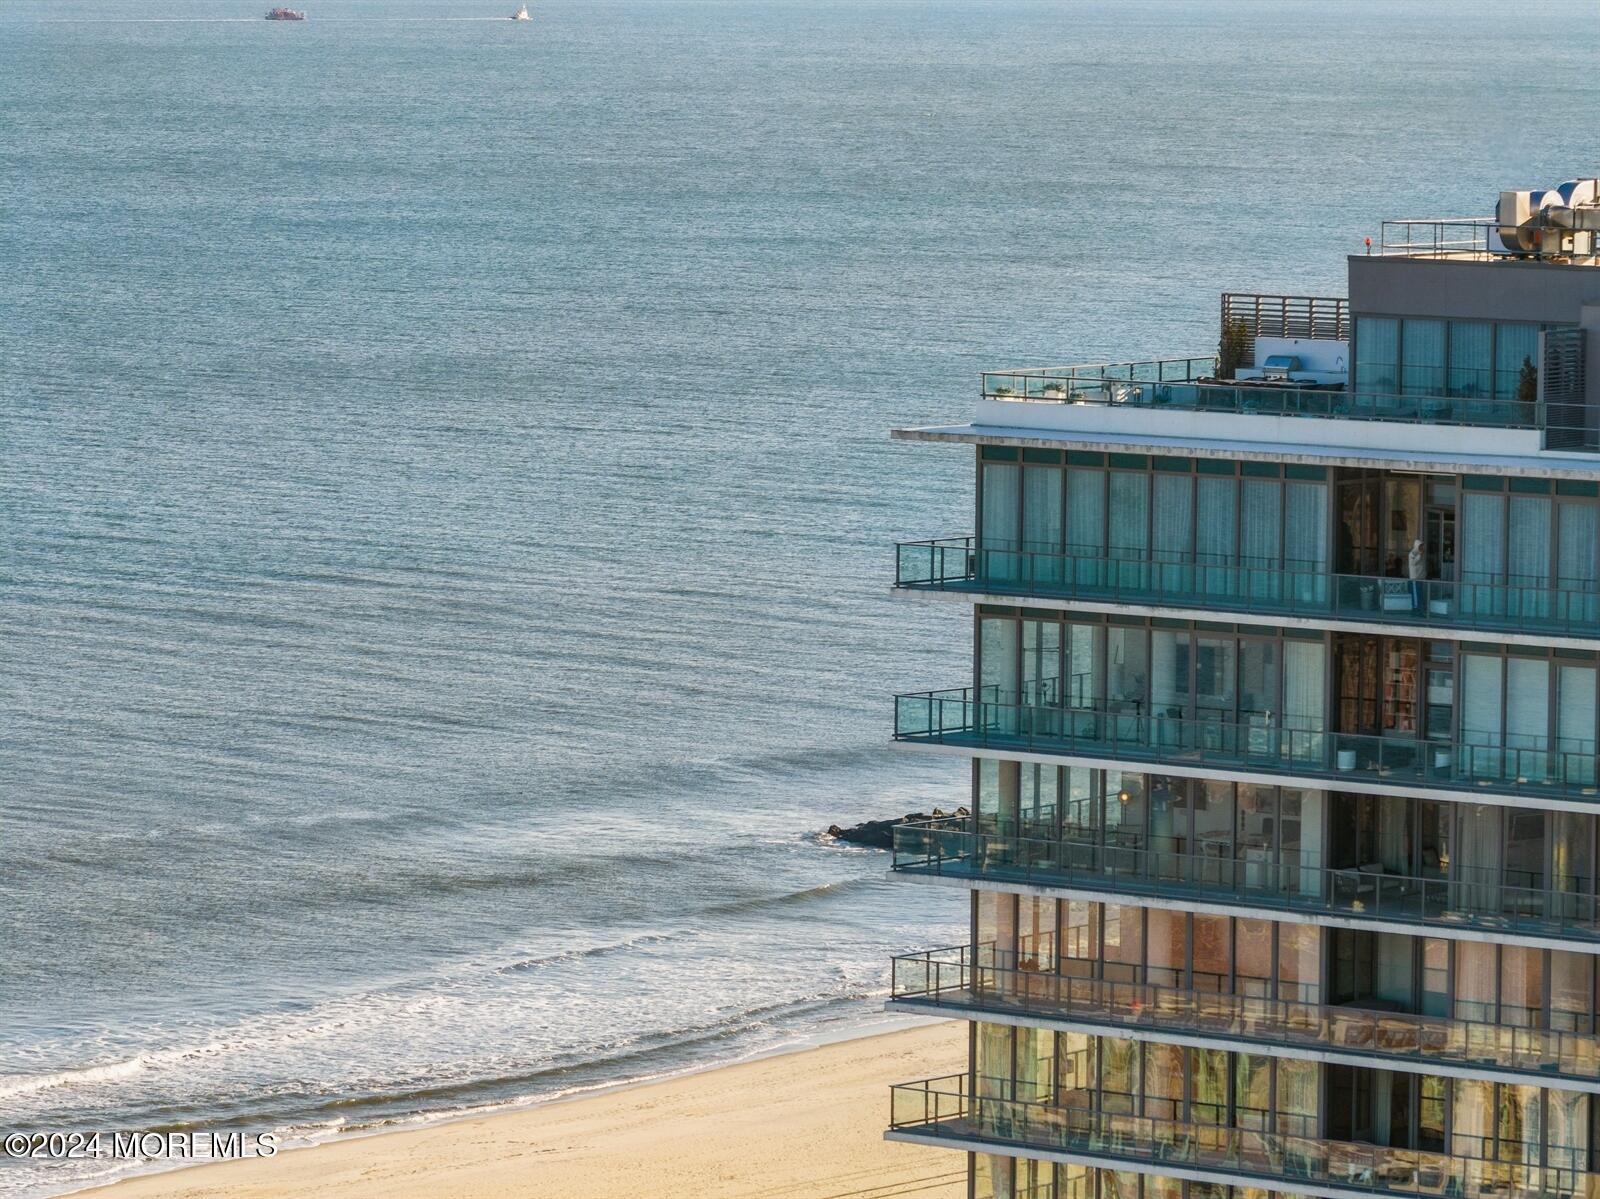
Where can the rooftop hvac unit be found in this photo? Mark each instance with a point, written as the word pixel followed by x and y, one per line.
pixel 1561 220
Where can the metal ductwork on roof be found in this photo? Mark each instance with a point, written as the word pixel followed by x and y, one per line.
pixel 1561 220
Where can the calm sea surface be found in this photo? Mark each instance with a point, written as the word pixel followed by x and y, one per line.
pixel 446 506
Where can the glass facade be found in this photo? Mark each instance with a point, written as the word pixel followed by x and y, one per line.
pixel 1426 356
pixel 1258 678
pixel 1284 829
pixel 1130 689
pixel 1172 523
pixel 1491 553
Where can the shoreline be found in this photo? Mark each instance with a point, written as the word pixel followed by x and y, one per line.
pixel 693 1129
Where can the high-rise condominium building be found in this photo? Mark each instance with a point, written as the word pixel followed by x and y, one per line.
pixel 1282 726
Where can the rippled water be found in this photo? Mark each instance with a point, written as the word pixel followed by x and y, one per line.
pixel 447 504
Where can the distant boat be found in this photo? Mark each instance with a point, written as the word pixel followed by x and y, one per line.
pixel 286 14
pixel 521 14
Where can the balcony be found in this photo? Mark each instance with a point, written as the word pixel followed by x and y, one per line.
pixel 974 719
pixel 958 565
pixel 1191 385
pixel 965 983
pixel 942 1112
pixel 947 848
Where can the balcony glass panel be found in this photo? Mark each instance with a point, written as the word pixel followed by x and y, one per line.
pixel 974 981
pixel 1277 1159
pixel 1482 600
pixel 1101 385
pixel 988 717
pixel 1476 898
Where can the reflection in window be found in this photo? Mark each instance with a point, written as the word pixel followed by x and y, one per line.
pixel 1422 358
pixel 1377 350
pixel 1514 347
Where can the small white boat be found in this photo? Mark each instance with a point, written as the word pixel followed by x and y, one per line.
pixel 521 14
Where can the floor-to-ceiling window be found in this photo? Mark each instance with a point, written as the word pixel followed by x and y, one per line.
pixel 1425 356
pixel 1165 525
pixel 1160 682
pixel 1530 549
pixel 1528 715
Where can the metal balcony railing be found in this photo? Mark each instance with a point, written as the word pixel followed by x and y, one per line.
pixel 948 847
pixel 1123 731
pixel 970 982
pixel 942 1111
pixel 1211 583
pixel 1183 384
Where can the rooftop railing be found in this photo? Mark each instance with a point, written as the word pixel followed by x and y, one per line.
pixel 942 1110
pixel 972 981
pixel 1477 239
pixel 1126 731
pixel 1472 898
pixel 1213 583
pixel 1187 384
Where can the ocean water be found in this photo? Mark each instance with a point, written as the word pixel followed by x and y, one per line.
pixel 447 508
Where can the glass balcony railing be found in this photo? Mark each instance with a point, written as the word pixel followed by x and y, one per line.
pixel 971 983
pixel 1190 581
pixel 1122 731
pixel 948 847
pixel 1189 384
pixel 943 1111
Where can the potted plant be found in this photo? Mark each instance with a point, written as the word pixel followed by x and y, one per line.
pixel 1055 389
pixel 1232 348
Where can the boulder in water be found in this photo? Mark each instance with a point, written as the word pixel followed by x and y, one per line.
pixel 879 834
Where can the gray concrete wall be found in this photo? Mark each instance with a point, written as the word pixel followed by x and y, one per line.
pixel 1500 290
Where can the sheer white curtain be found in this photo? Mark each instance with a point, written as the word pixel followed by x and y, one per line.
pixel 1001 521
pixel 1528 556
pixel 1216 534
pixel 1528 717
pixel 1483 552
pixel 1478 861
pixel 1481 733
pixel 1086 524
pixel 1172 525
pixel 1311 822
pixel 1304 682
pixel 1577 570
pixel 1260 535
pixel 1305 539
pixel 1041 524
pixel 1575 723
pixel 1472 1118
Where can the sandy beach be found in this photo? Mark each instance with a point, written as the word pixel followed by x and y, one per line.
pixel 802 1125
